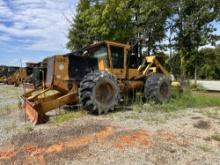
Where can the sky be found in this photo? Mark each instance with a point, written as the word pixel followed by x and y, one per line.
pixel 31 30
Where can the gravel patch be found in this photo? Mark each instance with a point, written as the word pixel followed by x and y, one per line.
pixel 127 137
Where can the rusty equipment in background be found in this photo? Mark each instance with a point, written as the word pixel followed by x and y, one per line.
pixel 96 76
pixel 34 80
pixel 17 78
pixel 3 73
pixel 6 72
pixel 20 75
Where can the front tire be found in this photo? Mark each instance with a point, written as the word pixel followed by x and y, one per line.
pixel 157 88
pixel 99 92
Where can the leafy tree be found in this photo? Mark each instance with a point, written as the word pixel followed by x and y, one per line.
pixel 146 23
pixel 78 35
pixel 100 20
pixel 112 21
pixel 193 29
pixel 209 66
pixel 119 21
pixel 151 23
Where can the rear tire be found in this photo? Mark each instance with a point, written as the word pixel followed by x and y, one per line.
pixel 99 92
pixel 157 88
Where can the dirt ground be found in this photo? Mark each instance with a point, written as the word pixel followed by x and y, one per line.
pixel 190 136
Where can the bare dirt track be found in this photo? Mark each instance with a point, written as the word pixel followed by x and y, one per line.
pixel 190 136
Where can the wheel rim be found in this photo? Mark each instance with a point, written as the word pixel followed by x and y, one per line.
pixel 105 93
pixel 164 90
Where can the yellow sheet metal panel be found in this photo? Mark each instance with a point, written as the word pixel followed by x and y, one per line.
pixel 61 72
pixel 52 104
pixel 102 64
pixel 131 73
pixel 118 44
pixel 150 59
pixel 175 84
pixel 61 68
pixel 119 73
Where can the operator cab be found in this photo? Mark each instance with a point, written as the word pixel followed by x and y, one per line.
pixel 112 52
pixel 114 57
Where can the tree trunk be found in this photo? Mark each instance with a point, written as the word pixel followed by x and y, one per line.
pixel 183 66
pixel 196 66
pixel 195 76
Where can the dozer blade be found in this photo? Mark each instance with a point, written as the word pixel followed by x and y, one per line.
pixel 33 114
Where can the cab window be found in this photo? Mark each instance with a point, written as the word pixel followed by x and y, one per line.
pixel 101 53
pixel 132 61
pixel 117 57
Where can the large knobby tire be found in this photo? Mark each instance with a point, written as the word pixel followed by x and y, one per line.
pixel 99 92
pixel 157 88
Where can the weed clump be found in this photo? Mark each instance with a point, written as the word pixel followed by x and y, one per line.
pixel 201 124
pixel 204 147
pixel 68 116
pixel 216 137
pixel 188 99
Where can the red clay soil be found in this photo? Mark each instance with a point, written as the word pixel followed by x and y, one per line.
pixel 143 138
pixel 170 137
pixel 7 154
pixel 140 137
pixel 39 152
pixel 166 136
pixel 33 154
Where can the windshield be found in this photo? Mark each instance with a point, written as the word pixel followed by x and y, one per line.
pixel 98 52
pixel 101 53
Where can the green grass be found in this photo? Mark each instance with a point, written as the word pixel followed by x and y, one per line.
pixel 160 113
pixel 7 109
pixel 188 100
pixel 204 147
pixel 10 92
pixel 137 112
pixel 68 116
pixel 9 99
pixel 10 127
pixel 26 129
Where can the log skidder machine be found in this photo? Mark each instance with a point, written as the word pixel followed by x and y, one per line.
pixel 96 76
pixel 20 75
pixel 34 80
pixel 6 72
pixel 3 73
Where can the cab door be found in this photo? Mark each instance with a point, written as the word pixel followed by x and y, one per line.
pixel 117 61
pixel 132 64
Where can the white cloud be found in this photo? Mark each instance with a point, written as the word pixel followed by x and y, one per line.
pixel 41 21
pixel 5 38
pixel 5 12
pixel 209 45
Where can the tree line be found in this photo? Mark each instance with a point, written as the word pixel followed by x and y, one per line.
pixel 177 27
